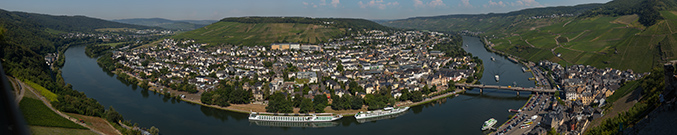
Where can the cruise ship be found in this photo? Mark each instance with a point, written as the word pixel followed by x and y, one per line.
pixel 295 124
pixel 383 112
pixel 489 124
pixel 285 117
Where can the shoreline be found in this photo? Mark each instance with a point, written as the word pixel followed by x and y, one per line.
pixel 253 106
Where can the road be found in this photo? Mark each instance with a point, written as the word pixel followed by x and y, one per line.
pixel 518 123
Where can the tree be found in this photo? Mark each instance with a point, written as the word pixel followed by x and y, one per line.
pixel 406 95
pixel 417 96
pixel 320 102
pixel 279 103
pixel 297 99
pixel 154 131
pixel 356 103
pixel 112 115
pixel 306 106
pixel 339 67
pixel 145 63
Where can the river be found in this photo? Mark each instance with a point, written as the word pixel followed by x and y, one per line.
pixel 463 114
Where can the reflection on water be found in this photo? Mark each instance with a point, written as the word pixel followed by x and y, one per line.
pixel 294 124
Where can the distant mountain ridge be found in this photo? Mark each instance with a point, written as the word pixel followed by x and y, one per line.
pixel 68 23
pixel 250 31
pixel 168 24
pixel 39 32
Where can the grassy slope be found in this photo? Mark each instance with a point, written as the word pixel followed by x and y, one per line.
pixel 617 42
pixel 37 114
pixel 38 130
pixel 260 34
pixel 43 91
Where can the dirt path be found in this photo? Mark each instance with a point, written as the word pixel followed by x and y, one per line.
pixel 565 24
pixel 19 92
pixel 579 35
pixel 526 40
pixel 49 105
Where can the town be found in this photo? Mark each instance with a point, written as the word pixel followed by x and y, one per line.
pixel 365 63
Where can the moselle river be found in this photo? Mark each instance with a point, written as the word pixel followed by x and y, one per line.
pixel 463 114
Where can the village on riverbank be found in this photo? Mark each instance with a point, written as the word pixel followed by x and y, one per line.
pixel 365 71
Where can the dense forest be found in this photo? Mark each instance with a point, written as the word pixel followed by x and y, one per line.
pixel 72 23
pixel 337 22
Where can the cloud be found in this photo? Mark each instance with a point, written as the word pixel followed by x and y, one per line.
pixel 335 3
pixel 380 4
pixel 431 4
pixel 322 3
pixel 418 3
pixel 493 4
pixel 527 3
pixel 438 3
pixel 465 3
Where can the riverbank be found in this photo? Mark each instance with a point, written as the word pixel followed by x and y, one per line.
pixel 259 107
pixel 194 98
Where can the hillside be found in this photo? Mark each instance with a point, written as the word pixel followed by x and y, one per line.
pixel 266 30
pixel 492 23
pixel 621 34
pixel 71 23
pixel 167 24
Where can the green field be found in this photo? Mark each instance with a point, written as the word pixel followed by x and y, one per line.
pixel 38 114
pixel 43 91
pixel 39 130
pixel 250 34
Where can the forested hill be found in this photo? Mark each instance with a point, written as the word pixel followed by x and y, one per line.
pixel 250 31
pixel 336 22
pixel 168 24
pixel 68 23
pixel 500 22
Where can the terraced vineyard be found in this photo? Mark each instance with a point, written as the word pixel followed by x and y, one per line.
pixel 235 33
pixel 617 42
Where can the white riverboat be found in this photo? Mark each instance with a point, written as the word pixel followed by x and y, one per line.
pixel 489 124
pixel 378 113
pixel 285 117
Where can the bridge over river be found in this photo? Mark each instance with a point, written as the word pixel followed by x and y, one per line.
pixel 482 87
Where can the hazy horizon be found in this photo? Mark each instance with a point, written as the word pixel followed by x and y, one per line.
pixel 216 10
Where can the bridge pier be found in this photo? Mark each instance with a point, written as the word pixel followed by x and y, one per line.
pixel 481 89
pixel 518 93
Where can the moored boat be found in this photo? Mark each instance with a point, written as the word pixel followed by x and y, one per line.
pixel 489 124
pixel 319 117
pixel 382 112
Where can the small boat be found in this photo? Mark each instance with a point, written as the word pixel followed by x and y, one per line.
pixel 514 111
pixel 489 124
pixel 493 59
pixel 496 76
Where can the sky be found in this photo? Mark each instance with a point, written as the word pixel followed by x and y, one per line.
pixel 218 9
